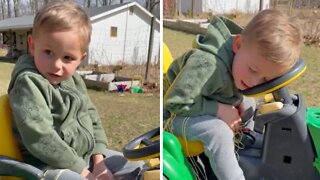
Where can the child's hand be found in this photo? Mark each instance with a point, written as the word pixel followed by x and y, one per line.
pixel 99 168
pixel 102 172
pixel 87 174
pixel 241 109
pixel 230 115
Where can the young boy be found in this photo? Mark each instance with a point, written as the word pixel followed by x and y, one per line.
pixel 57 125
pixel 204 84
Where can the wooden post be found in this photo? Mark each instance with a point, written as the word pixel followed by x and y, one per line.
pixel 150 49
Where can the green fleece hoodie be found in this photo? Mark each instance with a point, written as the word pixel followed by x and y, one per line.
pixel 202 77
pixel 55 125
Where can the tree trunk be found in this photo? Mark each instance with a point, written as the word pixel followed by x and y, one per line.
pixel 16 4
pixel 150 4
pixel 9 8
pixel 29 6
pixel 104 3
pixel 192 8
pixel 274 4
pixel 33 6
pixel 261 5
pixel 88 3
pixel 147 4
pixel 178 7
pixel 2 9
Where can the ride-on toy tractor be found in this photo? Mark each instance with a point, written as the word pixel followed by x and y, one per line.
pixel 285 142
pixel 145 147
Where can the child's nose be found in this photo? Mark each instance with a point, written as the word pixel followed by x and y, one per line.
pixel 57 64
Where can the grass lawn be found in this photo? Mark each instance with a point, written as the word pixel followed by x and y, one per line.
pixel 123 117
pixel 307 85
pixel 5 73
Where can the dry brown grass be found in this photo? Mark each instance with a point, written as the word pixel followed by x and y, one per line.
pixel 308 19
pixel 5 73
pixel 125 117
pixel 3 52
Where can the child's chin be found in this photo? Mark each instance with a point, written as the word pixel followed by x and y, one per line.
pixel 54 82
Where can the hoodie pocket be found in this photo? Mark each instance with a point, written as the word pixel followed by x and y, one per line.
pixel 74 136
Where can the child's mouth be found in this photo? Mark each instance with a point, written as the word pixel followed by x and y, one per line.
pixel 244 85
pixel 54 75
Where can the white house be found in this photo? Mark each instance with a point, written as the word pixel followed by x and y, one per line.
pixel 221 6
pixel 120 34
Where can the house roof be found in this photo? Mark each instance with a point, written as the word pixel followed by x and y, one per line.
pixel 23 22
pixel 93 11
pixel 26 22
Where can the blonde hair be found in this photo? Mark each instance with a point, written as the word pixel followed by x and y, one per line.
pixel 276 36
pixel 63 16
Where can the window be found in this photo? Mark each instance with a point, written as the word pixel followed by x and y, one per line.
pixel 114 31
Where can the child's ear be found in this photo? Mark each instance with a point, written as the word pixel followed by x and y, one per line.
pixel 237 42
pixel 31 45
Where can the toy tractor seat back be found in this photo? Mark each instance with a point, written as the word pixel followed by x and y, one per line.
pixel 11 165
pixel 8 143
pixel 167 58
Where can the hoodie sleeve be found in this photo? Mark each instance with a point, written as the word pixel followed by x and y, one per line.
pixel 98 131
pixel 188 95
pixel 34 121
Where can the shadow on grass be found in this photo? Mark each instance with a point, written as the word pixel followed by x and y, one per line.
pixel 7 60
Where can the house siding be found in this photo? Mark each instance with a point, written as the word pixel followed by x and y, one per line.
pixel 223 6
pixel 131 44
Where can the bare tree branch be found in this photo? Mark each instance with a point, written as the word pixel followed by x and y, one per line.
pixel 2 8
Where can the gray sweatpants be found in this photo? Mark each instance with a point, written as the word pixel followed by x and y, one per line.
pixel 120 167
pixel 218 142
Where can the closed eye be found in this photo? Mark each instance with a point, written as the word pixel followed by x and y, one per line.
pixel 265 79
pixel 68 58
pixel 252 70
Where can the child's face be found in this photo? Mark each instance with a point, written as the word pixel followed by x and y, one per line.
pixel 249 68
pixel 56 54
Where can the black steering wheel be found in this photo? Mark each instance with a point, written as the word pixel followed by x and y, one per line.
pixel 146 146
pixel 279 82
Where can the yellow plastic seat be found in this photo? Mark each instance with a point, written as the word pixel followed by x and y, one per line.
pixel 190 148
pixel 8 143
pixel 167 58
